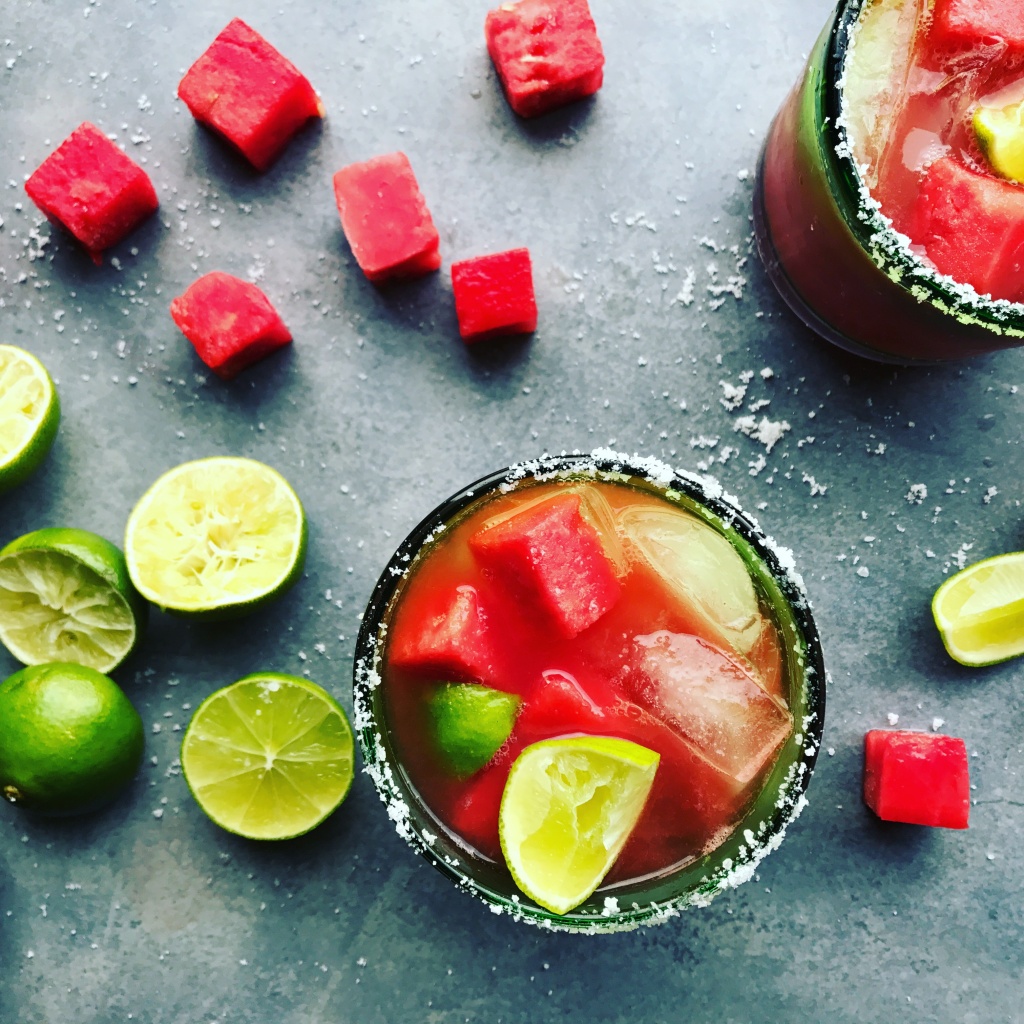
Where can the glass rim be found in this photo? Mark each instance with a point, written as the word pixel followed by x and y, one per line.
pixel 884 245
pixel 759 838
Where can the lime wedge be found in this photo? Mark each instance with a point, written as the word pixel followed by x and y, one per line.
pixel 269 757
pixel 216 538
pixel 470 723
pixel 1000 135
pixel 980 611
pixel 568 808
pixel 65 595
pixel 29 415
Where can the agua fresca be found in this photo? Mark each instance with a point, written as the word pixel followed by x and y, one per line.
pixel 584 610
pixel 934 108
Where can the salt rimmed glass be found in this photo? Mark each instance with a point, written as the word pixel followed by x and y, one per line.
pixel 626 905
pixel 834 257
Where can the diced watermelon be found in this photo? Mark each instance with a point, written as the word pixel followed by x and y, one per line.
pixel 546 52
pixel 385 218
pixel 231 323
pixel 916 777
pixel 553 555
pixel 450 642
pixel 494 295
pixel 245 90
pixel 973 24
pixel 93 189
pixel 972 228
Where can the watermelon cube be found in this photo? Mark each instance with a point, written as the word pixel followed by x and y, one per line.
pixel 976 24
pixel 552 554
pixel 917 777
pixel 385 218
pixel 494 295
pixel 972 228
pixel 546 53
pixel 88 185
pixel 230 322
pixel 452 641
pixel 244 89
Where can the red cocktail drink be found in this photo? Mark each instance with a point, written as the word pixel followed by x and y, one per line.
pixel 885 224
pixel 581 598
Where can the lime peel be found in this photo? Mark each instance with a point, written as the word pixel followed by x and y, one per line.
pixel 470 724
pixel 29 415
pixel 568 808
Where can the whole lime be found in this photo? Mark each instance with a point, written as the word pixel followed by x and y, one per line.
pixel 70 738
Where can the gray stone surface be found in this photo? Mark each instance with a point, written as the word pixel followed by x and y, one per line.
pixel 378 412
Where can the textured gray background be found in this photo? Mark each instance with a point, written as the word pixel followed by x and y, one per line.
pixel 378 412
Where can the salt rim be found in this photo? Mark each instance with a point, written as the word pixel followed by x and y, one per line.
pixel 758 842
pixel 888 248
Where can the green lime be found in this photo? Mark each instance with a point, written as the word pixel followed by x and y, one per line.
pixel 1000 135
pixel 65 595
pixel 980 611
pixel 269 757
pixel 29 415
pixel 216 538
pixel 568 808
pixel 70 738
pixel 470 723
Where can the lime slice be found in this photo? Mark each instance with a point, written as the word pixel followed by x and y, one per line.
pixel 29 415
pixel 70 740
pixel 470 723
pixel 980 611
pixel 65 595
pixel 269 757
pixel 568 808
pixel 216 538
pixel 1000 135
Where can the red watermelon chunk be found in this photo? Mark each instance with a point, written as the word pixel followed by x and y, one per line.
pixel 551 553
pixel 248 92
pixel 230 322
pixel 974 24
pixel 93 189
pixel 546 53
pixel 972 228
pixel 452 641
pixel 385 218
pixel 917 777
pixel 494 295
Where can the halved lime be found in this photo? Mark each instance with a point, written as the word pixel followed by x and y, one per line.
pixel 70 739
pixel 568 808
pixel 470 722
pixel 1000 135
pixel 980 611
pixel 269 757
pixel 29 415
pixel 65 595
pixel 216 538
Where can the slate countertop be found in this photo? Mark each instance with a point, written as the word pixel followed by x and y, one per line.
pixel 629 203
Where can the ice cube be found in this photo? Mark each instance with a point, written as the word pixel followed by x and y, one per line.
pixel 712 700
pixel 703 570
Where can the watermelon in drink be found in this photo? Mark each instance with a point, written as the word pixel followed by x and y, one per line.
pixel 889 207
pixel 590 601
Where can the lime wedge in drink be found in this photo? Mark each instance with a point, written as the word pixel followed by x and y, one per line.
pixel 65 595
pixel 269 757
pixel 470 723
pixel 29 415
pixel 1000 135
pixel 980 611
pixel 216 538
pixel 568 808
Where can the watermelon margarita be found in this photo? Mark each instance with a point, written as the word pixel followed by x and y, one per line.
pixel 888 218
pixel 592 597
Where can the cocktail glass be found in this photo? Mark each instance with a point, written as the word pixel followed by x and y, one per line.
pixel 627 905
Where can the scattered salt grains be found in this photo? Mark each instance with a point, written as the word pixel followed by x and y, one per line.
pixel 937 724
pixel 917 494
pixel 892 717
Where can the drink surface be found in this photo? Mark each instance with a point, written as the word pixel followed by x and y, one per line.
pixel 921 76
pixel 603 609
